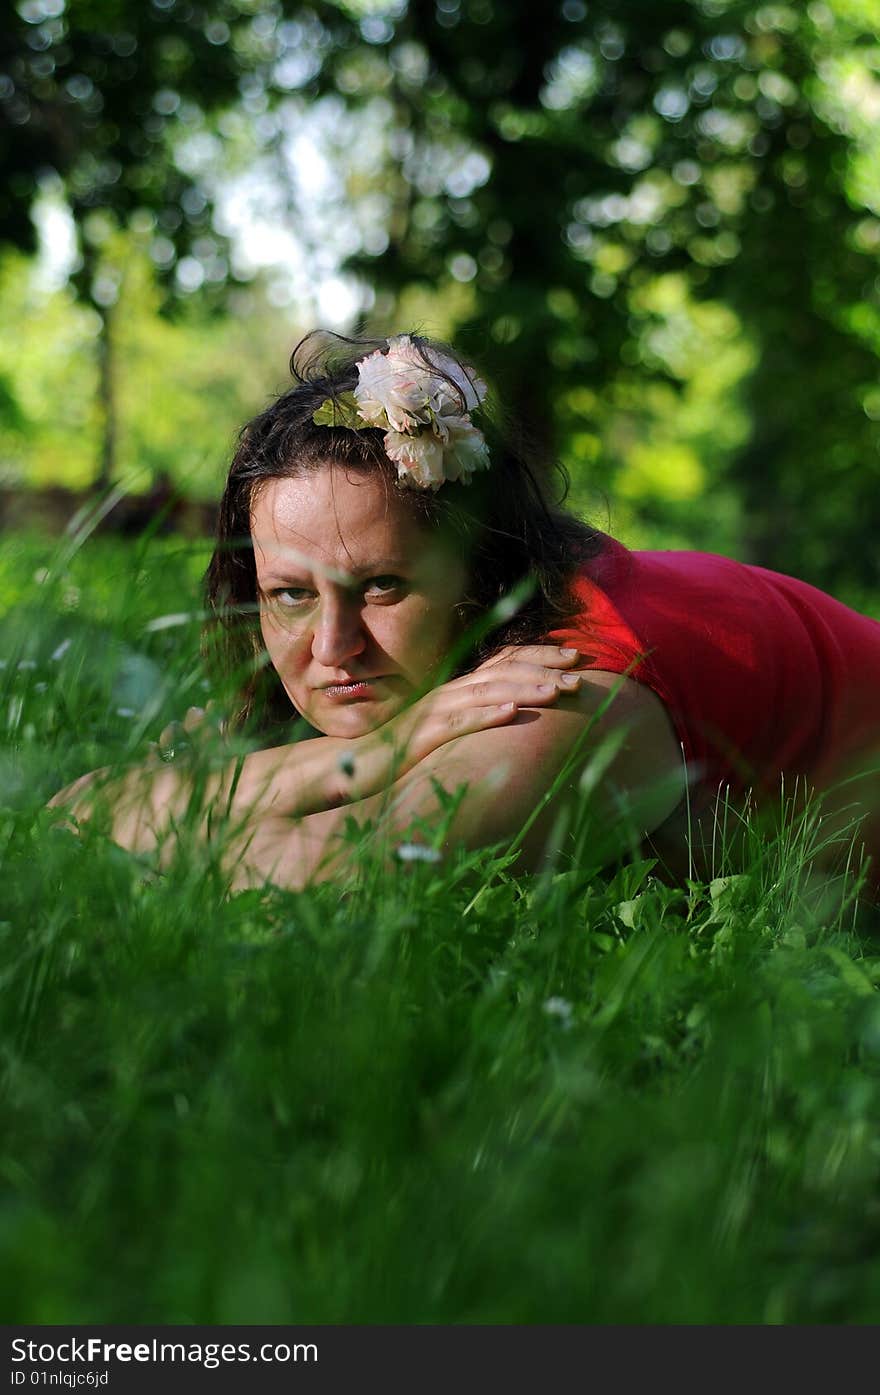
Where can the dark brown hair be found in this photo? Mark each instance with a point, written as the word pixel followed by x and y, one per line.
pixel 508 520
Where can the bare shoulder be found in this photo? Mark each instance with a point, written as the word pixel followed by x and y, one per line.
pixel 613 718
pixel 615 735
pixel 622 697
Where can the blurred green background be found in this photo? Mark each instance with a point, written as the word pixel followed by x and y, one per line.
pixel 656 224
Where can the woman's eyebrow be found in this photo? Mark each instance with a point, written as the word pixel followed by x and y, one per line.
pixel 379 567
pixel 280 574
pixel 283 569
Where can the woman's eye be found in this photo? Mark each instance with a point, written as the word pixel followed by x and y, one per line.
pixel 289 595
pixel 382 585
pixel 292 597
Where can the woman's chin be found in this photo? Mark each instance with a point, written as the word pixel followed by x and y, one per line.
pixel 351 718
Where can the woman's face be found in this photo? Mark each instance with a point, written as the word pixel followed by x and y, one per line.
pixel 356 598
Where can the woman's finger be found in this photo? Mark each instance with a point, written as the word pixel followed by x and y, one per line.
pixel 215 712
pixel 545 655
pixel 488 697
pixel 543 686
pixel 168 735
pixel 518 671
pixel 471 719
pixel 194 716
pixel 546 659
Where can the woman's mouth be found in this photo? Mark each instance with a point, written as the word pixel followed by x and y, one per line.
pixel 363 688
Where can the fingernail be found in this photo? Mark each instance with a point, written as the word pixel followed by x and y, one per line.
pixel 568 653
pixel 570 680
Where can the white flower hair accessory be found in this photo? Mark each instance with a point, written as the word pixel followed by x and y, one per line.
pixel 422 399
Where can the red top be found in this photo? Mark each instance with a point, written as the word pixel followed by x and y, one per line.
pixel 762 675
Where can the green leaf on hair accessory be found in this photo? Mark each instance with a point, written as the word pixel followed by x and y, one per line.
pixel 339 411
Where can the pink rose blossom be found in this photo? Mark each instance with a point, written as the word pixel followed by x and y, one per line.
pixel 466 450
pixel 419 459
pixel 423 397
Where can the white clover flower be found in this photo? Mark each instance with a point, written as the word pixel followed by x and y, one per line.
pixel 418 852
pixel 561 1008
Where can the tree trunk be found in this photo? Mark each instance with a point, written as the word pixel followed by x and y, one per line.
pixel 107 399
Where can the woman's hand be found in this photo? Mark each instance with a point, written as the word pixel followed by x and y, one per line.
pixel 67 797
pixel 290 782
pixel 148 786
pixel 489 696
pixel 176 735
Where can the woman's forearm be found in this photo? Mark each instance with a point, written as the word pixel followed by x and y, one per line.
pixel 310 776
pixel 283 782
pixel 523 789
pixel 295 853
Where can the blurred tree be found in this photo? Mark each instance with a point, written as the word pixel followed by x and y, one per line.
pixel 48 428
pixel 100 93
pixel 92 92
pixel 186 383
pixel 607 194
pixel 558 158
pixel 122 102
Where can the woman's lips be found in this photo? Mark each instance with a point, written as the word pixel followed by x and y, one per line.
pixel 363 688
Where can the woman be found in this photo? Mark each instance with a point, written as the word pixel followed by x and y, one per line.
pixel 374 527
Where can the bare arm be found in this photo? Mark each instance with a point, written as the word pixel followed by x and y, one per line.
pixel 509 773
pixel 144 804
pixel 293 782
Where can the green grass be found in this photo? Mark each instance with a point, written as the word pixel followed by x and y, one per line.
pixel 437 1094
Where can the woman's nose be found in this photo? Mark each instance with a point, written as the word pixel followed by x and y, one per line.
pixel 338 634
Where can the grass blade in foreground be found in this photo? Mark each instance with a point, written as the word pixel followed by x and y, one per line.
pixel 592 1099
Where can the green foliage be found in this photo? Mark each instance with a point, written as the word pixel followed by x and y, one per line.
pixel 99 93
pixel 654 224
pixel 49 415
pixel 566 164
pixel 339 411
pixel 183 384
pixel 428 1092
